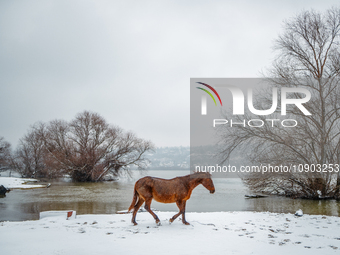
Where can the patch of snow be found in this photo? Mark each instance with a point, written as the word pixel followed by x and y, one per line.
pixel 19 183
pixel 208 233
pixel 66 215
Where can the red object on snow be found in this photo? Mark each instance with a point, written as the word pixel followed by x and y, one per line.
pixel 69 214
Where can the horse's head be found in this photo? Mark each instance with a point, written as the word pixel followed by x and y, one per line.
pixel 208 184
pixel 206 181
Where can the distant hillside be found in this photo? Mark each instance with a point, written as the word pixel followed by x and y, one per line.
pixel 212 155
pixel 171 158
pixel 178 158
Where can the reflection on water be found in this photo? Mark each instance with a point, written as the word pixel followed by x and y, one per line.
pixel 110 197
pixel 85 198
pixel 286 205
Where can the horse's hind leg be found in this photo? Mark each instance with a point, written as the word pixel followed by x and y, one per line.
pixel 181 207
pixel 148 208
pixel 135 210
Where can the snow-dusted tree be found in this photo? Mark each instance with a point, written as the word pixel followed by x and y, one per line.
pixel 308 57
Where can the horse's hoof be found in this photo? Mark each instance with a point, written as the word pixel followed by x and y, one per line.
pixel 158 223
pixel 171 220
pixel 186 223
pixel 135 223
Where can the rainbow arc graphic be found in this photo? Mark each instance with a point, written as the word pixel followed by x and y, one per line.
pixel 204 98
pixel 209 93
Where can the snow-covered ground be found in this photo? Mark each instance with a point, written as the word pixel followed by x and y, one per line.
pixel 19 183
pixel 209 233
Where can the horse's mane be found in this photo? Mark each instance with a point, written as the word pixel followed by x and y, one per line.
pixel 200 175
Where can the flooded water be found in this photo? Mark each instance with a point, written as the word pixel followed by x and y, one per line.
pixel 110 197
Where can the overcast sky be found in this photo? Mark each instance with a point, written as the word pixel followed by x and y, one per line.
pixel 130 61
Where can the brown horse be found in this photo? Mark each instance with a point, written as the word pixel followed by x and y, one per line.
pixel 177 190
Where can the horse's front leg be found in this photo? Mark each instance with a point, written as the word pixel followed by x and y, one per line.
pixel 181 206
pixel 148 208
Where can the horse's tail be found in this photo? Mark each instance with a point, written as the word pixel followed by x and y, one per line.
pixel 134 200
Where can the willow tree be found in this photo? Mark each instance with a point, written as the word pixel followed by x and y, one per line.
pixel 307 57
pixel 87 148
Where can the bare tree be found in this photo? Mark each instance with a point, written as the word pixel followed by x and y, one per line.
pixel 30 157
pixel 308 57
pixel 88 148
pixel 5 154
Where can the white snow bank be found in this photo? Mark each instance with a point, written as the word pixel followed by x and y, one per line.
pixel 209 233
pixel 19 183
pixel 66 215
